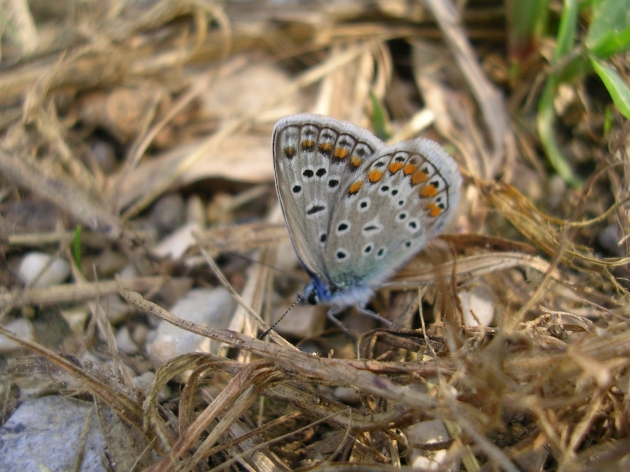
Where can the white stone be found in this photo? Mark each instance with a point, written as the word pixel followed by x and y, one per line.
pixel 479 300
pixel 432 461
pixel 195 211
pixel 177 243
pixel 347 394
pixel 129 272
pixel 428 443
pixel 76 317
pixel 33 263
pixel 428 434
pixel 20 327
pixel 124 343
pixel 45 434
pixel 139 334
pixel 212 308
pixel 303 321
pixel 115 308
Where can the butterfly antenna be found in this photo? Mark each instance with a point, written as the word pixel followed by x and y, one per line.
pixel 300 299
pixel 288 274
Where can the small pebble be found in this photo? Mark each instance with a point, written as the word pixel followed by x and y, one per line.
pixel 139 334
pixel 76 317
pixel 347 395
pixel 129 272
pixel 177 243
pixel 105 154
pixel 432 461
pixel 124 342
pixel 430 434
pixel 33 263
pixel 20 327
pixel 477 300
pixel 168 213
pixel 556 191
pixel 116 309
pixel 108 263
pixel 303 321
pixel 46 432
pixel 209 307
pixel 609 239
pixel 428 443
pixel 195 211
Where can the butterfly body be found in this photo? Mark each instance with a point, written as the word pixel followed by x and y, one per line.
pixel 319 291
pixel 356 209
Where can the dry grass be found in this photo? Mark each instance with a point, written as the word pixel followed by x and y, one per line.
pixel 187 92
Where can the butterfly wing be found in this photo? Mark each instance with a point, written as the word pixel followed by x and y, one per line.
pixel 388 212
pixel 313 157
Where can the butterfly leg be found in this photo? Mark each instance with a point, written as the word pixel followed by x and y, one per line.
pixel 332 316
pixel 376 316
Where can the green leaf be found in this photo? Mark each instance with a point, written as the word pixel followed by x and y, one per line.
pixel 379 121
pixel 566 31
pixel 545 123
pixel 609 33
pixel 617 88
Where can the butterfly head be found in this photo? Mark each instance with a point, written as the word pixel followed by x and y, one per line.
pixel 311 296
pixel 317 292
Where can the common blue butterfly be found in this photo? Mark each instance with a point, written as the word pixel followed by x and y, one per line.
pixel 356 209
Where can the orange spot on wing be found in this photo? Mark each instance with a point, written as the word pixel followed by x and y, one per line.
pixel 308 144
pixel 325 147
pixel 340 153
pixel 289 152
pixel 428 190
pixel 356 161
pixel 355 187
pixel 375 175
pixel 409 169
pixel 395 167
pixel 419 176
pixel 433 210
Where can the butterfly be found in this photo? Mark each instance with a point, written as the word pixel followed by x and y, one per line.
pixel 356 209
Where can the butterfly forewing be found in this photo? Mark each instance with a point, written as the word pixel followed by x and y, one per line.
pixel 314 159
pixel 388 212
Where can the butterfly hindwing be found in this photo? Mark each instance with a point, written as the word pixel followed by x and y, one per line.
pixel 314 158
pixel 387 213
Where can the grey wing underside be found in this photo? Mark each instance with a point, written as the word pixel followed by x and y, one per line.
pixel 410 190
pixel 315 158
